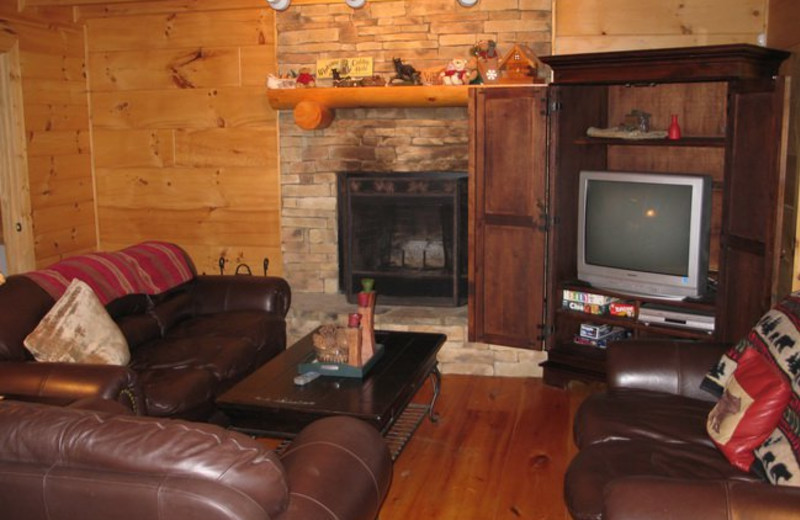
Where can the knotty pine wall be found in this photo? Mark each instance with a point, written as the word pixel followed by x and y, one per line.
pixel 609 25
pixel 185 143
pixel 56 117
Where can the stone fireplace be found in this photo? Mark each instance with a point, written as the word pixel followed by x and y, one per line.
pixel 406 231
pixel 426 33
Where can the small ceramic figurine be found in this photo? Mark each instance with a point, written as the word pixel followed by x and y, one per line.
pixel 405 73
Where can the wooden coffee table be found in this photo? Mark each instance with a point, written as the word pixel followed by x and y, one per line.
pixel 269 403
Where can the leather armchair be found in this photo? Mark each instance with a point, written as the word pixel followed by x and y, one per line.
pixel 63 463
pixel 644 450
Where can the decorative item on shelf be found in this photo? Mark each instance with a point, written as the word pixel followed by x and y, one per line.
pixel 366 307
pixel 376 80
pixel 674 131
pixel 487 61
pixel 343 81
pixel 637 120
pixel 519 66
pixel 356 67
pixel 305 78
pixel 455 73
pixel 278 82
pixel 405 73
pixel 619 132
pixel 431 76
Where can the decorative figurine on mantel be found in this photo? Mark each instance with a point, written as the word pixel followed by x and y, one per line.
pixel 405 73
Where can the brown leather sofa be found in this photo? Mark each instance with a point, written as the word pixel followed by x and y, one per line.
pixel 63 463
pixel 644 451
pixel 188 345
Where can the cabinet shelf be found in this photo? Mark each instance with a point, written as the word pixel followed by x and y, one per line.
pixel 699 142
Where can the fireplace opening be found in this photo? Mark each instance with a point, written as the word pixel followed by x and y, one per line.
pixel 407 231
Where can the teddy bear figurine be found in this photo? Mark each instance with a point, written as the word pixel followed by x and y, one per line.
pixel 305 78
pixel 455 73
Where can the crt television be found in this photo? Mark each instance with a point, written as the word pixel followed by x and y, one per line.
pixel 644 233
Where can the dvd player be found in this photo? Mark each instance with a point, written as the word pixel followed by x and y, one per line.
pixel 655 314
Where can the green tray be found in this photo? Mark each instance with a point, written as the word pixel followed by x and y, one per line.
pixel 312 364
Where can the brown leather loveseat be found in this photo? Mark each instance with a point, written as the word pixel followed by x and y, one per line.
pixel 187 345
pixel 59 463
pixel 644 449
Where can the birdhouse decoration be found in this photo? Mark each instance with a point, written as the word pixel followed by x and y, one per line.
pixel 486 60
pixel 519 65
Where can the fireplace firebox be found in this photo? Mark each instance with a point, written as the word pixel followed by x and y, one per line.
pixel 407 231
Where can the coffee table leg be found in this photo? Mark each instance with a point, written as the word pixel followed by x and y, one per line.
pixel 436 379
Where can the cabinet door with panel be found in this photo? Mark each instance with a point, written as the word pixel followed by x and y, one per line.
pixel 508 222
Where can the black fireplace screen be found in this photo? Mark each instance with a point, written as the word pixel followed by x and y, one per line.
pixel 407 231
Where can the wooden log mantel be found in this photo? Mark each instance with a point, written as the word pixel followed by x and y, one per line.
pixel 313 107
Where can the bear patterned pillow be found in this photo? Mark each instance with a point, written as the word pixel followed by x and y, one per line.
pixel 749 409
pixel 78 329
pixel 776 337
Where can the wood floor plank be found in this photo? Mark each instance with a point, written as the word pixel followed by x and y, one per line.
pixel 499 451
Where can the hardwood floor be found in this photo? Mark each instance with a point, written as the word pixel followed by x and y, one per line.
pixel 499 450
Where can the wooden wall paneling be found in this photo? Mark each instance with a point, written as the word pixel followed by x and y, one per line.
pixel 187 30
pixel 605 25
pixel 702 115
pixel 128 148
pixel 182 108
pixel 15 202
pixel 186 147
pixel 197 67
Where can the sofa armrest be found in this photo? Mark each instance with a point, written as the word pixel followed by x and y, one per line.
pixel 634 498
pixel 64 383
pixel 215 293
pixel 671 366
pixel 337 467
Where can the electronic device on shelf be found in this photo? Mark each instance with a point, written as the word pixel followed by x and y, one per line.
pixel 655 314
pixel 644 233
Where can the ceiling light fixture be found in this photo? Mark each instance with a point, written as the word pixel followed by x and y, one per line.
pixel 279 5
pixel 467 3
pixel 355 4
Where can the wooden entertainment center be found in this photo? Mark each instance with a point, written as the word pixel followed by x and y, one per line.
pixel 530 144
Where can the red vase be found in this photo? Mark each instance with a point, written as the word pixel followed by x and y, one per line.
pixel 674 131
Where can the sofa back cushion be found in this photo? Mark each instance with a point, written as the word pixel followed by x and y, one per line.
pixel 22 305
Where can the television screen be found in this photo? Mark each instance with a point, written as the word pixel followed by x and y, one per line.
pixel 644 233
pixel 639 226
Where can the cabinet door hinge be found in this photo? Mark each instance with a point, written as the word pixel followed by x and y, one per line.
pixel 555 106
pixel 546 331
pixel 546 222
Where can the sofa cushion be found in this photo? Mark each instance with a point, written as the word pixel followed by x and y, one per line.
pixel 631 413
pixel 184 393
pixel 266 331
pixel 775 337
pixel 599 464
pixel 750 408
pixel 78 330
pixel 228 359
